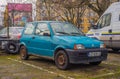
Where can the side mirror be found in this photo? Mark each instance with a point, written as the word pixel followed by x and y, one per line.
pixel 94 26
pixel 110 31
pixel 46 34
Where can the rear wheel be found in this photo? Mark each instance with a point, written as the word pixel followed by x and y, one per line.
pixel 23 53
pixel 115 49
pixel 95 63
pixel 62 60
pixel 11 47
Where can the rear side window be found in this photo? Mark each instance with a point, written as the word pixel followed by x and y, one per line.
pixel 41 29
pixel 11 31
pixel 29 29
pixel 3 31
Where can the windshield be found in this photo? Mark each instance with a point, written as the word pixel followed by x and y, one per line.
pixel 65 29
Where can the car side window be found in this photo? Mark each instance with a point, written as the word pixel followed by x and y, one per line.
pixel 29 29
pixel 3 31
pixel 104 21
pixel 41 29
pixel 108 20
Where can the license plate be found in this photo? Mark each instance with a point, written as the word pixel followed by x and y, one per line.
pixel 94 54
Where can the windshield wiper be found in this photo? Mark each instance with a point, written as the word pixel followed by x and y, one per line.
pixel 75 33
pixel 63 33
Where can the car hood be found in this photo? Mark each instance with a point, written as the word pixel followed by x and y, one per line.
pixel 87 42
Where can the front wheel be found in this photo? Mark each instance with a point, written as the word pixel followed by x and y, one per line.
pixel 95 63
pixel 23 53
pixel 116 50
pixel 62 60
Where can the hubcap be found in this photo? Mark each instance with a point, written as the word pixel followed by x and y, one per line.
pixel 23 52
pixel 12 47
pixel 61 59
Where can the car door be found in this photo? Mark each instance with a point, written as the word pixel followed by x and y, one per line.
pixel 104 29
pixel 27 35
pixel 116 30
pixel 41 41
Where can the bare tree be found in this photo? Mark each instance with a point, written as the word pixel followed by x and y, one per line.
pixel 98 6
pixel 48 8
pixel 70 11
pixel 67 10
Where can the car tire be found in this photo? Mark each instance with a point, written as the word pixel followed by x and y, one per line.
pixel 23 53
pixel 12 50
pixel 95 63
pixel 115 49
pixel 62 60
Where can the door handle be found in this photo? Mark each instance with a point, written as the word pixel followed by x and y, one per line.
pixel 33 37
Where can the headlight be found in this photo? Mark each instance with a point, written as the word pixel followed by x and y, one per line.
pixel 78 46
pixel 102 46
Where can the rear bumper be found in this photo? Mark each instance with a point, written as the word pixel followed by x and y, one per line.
pixel 81 56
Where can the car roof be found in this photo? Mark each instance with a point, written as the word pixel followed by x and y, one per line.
pixel 12 28
pixel 46 21
pixel 15 27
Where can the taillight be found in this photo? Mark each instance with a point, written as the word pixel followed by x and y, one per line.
pixel 19 36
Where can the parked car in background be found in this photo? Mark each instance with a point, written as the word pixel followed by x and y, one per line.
pixel 14 32
pixel 10 44
pixel 1 27
pixel 62 42
pixel 107 28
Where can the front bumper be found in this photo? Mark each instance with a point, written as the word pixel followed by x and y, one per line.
pixel 81 56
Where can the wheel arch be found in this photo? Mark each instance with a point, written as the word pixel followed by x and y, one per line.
pixel 58 49
pixel 66 64
pixel 21 44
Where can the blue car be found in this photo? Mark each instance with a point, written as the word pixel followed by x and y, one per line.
pixel 62 42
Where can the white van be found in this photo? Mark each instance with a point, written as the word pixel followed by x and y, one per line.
pixel 107 28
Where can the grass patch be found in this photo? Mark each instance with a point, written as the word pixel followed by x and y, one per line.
pixel 16 70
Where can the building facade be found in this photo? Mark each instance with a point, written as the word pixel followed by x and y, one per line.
pixel 2 10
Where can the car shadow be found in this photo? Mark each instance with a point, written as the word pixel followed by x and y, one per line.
pixel 115 52
pixel 73 67
pixel 39 59
pixel 86 67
